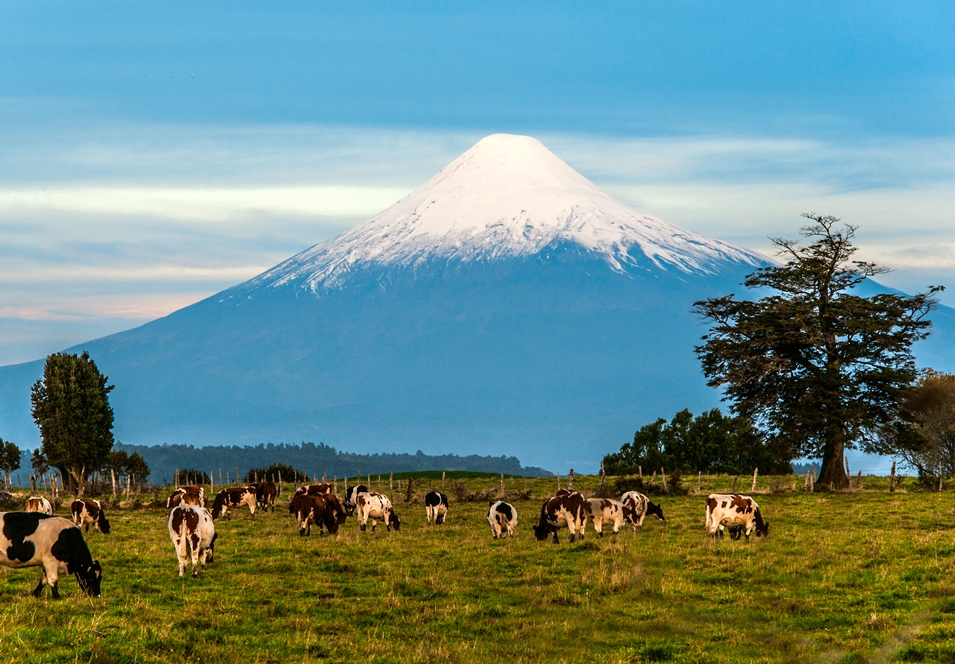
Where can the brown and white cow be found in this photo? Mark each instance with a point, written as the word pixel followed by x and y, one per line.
pixel 231 498
pixel 503 519
pixel 637 507
pixel 375 506
pixel 190 494
pixel 738 513
pixel 564 509
pixel 87 512
pixel 317 509
pixel 323 489
pixel 265 493
pixel 603 510
pixel 31 539
pixel 193 535
pixel 38 504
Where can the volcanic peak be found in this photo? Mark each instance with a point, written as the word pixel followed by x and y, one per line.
pixel 508 196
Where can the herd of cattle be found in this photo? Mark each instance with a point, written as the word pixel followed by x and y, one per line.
pixel 36 538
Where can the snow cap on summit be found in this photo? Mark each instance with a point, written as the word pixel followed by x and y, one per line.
pixel 507 196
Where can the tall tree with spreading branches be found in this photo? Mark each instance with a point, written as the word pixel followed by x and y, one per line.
pixel 817 367
pixel 71 408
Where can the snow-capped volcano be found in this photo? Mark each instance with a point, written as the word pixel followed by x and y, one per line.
pixel 506 197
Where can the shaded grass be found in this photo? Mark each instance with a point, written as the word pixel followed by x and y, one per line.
pixel 845 577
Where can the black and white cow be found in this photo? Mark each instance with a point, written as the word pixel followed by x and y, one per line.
pixel 31 539
pixel 436 505
pixel 230 498
pixel 637 507
pixel 375 506
pixel 503 519
pixel 87 512
pixel 38 504
pixel 350 497
pixel 602 510
pixel 192 531
pixel 564 509
pixel 738 513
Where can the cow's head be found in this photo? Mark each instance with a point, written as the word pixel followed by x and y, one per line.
pixel 221 504
pixel 102 523
pixel 393 521
pixel 89 577
pixel 541 531
pixel 654 510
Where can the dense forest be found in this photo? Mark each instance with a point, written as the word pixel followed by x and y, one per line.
pixel 311 459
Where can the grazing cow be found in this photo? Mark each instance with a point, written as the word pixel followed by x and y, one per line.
pixel 38 504
pixel 350 497
pixel 503 519
pixel 564 509
pixel 323 489
pixel 738 513
pixel 233 498
pixel 191 494
pixel 436 505
pixel 265 493
pixel 87 512
pixel 600 511
pixel 317 509
pixel 637 507
pixel 30 539
pixel 375 506
pixel 191 529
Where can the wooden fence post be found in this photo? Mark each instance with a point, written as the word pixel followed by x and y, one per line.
pixel 379 481
pixel 755 473
pixel 940 477
pixel 558 481
pixel 848 472
pixel 699 481
pixel 640 472
pixel 391 485
pixel 664 476
pixel 112 474
pixel 501 490
pixel 892 479
pixel 570 480
pixel 442 481
pixel 735 480
pixel 212 484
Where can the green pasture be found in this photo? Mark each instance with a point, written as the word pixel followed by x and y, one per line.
pixel 864 576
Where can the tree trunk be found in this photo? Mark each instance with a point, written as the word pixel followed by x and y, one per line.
pixel 832 475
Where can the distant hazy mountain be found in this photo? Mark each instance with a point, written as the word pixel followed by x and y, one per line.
pixel 506 307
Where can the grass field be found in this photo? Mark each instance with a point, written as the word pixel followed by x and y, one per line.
pixel 865 576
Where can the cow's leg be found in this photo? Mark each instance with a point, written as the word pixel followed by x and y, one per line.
pixel 374 524
pixel 182 555
pixel 39 587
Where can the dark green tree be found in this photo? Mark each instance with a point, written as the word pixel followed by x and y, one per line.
pixel 9 459
pixel 816 366
pixel 136 467
pixel 39 462
pixel 71 408
pixel 709 443
pixel 924 434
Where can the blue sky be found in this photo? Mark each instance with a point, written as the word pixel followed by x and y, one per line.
pixel 154 153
